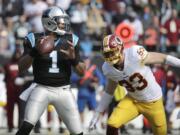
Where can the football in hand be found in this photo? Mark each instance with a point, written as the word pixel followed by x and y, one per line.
pixel 45 45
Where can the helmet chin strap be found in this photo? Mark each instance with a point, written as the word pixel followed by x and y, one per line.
pixel 118 60
pixel 60 32
pixel 119 63
pixel 112 63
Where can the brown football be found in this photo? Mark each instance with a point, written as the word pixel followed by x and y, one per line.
pixel 45 45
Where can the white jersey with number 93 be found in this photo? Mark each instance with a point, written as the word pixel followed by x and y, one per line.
pixel 136 77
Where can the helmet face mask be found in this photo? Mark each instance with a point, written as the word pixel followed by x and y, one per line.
pixel 112 49
pixel 56 20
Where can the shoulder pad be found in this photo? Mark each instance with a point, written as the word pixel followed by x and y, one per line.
pixel 138 52
pixel 31 39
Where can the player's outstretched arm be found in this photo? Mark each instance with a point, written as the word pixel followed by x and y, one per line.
pixel 103 103
pixel 160 58
pixel 107 96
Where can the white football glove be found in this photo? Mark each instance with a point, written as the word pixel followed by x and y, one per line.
pixel 94 121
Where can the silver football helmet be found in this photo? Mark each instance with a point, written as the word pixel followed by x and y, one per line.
pixel 56 20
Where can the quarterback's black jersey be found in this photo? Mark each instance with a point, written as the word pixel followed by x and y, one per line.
pixel 52 69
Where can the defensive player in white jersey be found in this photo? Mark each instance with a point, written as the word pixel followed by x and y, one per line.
pixel 128 67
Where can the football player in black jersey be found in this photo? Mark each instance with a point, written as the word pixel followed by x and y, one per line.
pixel 52 72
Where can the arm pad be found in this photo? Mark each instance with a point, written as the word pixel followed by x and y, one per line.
pixel 104 102
pixel 173 61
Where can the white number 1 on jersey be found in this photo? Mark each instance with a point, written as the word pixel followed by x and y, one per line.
pixel 54 68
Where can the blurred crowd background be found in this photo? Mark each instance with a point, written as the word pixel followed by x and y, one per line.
pixel 154 24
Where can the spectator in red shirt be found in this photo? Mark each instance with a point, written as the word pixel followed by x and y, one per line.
pixel 13 90
pixel 172 29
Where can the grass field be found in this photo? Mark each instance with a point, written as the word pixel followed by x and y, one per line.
pixel 45 132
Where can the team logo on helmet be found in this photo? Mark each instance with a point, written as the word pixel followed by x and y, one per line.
pixel 112 41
